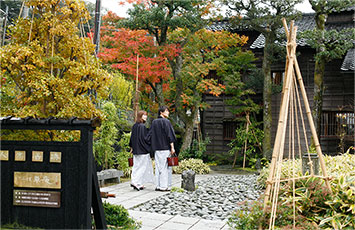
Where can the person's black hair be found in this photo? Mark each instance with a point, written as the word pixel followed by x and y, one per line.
pixel 162 109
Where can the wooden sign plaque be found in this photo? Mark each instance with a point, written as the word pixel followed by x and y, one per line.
pixel 37 180
pixel 36 198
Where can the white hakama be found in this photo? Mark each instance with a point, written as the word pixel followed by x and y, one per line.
pixel 142 170
pixel 163 172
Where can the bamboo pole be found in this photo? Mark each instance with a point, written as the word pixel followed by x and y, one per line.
pixel 246 139
pixel 281 124
pixel 283 117
pixel 137 95
pixel 311 124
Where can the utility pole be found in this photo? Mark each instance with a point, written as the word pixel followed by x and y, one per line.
pixel 97 26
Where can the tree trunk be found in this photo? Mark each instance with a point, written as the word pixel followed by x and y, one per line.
pixel 318 94
pixel 319 75
pixel 267 116
pixel 159 94
pixel 189 130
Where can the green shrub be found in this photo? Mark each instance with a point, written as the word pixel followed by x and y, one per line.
pixel 194 164
pixel 316 206
pixel 341 211
pixel 177 189
pixel 196 150
pixel 122 157
pixel 117 217
pixel 106 137
pixel 16 225
pixel 251 216
pixel 342 165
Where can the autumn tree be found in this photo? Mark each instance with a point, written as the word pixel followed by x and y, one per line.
pixel 329 44
pixel 49 67
pixel 205 52
pixel 265 17
pixel 123 48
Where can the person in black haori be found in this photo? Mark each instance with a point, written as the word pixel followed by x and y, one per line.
pixel 161 137
pixel 142 171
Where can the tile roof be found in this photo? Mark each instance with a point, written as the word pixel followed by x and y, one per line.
pixel 349 61
pixel 226 25
pixel 307 22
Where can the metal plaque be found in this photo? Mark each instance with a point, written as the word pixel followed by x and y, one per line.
pixel 20 155
pixel 55 157
pixel 37 180
pixel 37 156
pixel 36 198
pixel 4 155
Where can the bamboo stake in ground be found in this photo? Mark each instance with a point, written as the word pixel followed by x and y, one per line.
pixel 281 124
pixel 136 100
pixel 246 139
pixel 289 89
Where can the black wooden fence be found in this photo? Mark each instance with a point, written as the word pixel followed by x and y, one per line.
pixel 49 184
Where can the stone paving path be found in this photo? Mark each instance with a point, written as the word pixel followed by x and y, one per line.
pixel 129 198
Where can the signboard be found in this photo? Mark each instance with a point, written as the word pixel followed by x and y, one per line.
pixel 4 155
pixel 36 198
pixel 37 180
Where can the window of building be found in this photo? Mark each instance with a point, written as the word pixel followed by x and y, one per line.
pixel 212 74
pixel 336 123
pixel 229 128
pixel 277 77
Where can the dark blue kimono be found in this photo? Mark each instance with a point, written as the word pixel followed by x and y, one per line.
pixel 161 134
pixel 137 141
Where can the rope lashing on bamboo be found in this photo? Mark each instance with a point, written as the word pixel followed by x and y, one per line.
pixel 302 177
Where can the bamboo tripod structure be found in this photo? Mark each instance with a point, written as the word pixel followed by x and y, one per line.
pixel 289 92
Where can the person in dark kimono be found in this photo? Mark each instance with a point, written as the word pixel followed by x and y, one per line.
pixel 142 171
pixel 161 137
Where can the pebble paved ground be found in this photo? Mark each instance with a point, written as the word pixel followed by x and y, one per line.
pixel 206 208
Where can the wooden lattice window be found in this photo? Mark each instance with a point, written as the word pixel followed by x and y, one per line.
pixel 336 123
pixel 212 74
pixel 277 77
pixel 229 128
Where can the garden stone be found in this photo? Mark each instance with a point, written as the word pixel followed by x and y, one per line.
pixel 188 180
pixel 109 176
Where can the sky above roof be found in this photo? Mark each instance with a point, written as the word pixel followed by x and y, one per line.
pixel 122 10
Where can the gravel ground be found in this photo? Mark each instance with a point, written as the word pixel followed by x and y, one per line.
pixel 213 199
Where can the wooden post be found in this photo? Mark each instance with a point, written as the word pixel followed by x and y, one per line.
pixel 246 139
pixel 137 93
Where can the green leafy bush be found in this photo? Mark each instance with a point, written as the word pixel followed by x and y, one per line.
pixel 122 157
pixel 117 217
pixel 251 216
pixel 106 137
pixel 177 189
pixel 316 206
pixel 341 211
pixel 194 164
pixel 196 150
pixel 253 151
pixel 342 165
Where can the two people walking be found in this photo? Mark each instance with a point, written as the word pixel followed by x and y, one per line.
pixel 158 140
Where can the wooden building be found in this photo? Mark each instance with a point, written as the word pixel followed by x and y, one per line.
pixel 218 123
